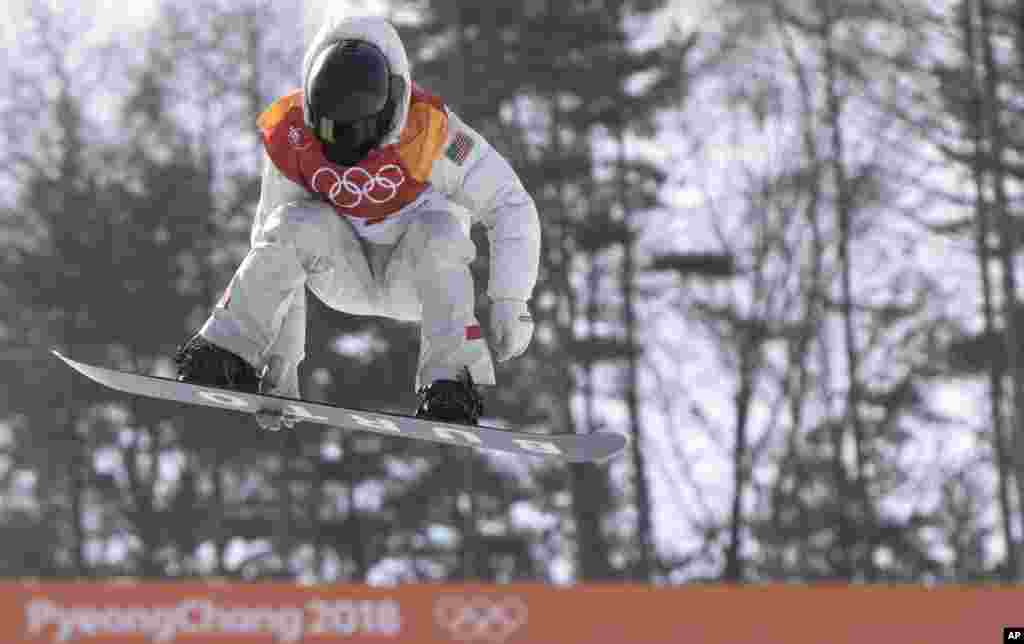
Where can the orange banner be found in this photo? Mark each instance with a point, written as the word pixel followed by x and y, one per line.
pixel 131 613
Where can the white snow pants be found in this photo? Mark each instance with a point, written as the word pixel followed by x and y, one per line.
pixel 423 276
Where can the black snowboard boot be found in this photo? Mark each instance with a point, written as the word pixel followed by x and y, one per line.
pixel 451 401
pixel 201 362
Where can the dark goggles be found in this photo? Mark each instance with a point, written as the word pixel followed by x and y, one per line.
pixel 349 143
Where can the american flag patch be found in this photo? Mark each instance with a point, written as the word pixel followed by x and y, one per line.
pixel 459 149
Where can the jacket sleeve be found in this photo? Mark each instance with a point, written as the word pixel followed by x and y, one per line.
pixel 477 177
pixel 277 190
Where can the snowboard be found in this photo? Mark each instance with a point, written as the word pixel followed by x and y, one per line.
pixel 575 448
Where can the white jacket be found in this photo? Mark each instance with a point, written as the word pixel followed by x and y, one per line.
pixel 474 176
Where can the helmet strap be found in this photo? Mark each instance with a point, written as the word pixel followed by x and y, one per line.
pixel 326 129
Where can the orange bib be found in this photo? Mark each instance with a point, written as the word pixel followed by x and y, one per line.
pixel 386 181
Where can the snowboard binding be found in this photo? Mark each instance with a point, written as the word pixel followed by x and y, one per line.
pixel 451 401
pixel 200 362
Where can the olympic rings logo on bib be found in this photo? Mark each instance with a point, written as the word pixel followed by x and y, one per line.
pixel 356 184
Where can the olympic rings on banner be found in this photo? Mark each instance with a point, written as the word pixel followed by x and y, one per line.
pixel 480 618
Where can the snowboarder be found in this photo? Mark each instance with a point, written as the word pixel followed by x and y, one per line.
pixel 369 188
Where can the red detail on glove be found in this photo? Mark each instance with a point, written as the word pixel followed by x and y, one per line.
pixel 474 332
pixel 225 299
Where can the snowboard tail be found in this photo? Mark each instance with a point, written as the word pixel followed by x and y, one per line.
pixel 595 447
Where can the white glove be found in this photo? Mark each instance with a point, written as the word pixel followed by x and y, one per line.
pixel 511 328
pixel 278 379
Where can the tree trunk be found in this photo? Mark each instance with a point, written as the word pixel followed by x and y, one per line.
pixel 589 483
pixel 741 473
pixel 996 372
pixel 644 537
pixel 77 485
pixel 359 547
pixel 585 486
pixel 845 210
pixel 815 333
pixel 471 556
pixel 1008 238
